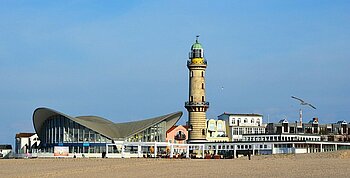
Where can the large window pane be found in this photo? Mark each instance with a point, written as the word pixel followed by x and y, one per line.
pixel 51 131
pixel 57 134
pixel 92 136
pixel 81 133
pixel 61 129
pixel 86 135
pixel 75 138
pixel 66 134
pixel 103 139
pixel 70 131
pixel 98 138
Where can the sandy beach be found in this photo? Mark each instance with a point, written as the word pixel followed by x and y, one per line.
pixel 329 164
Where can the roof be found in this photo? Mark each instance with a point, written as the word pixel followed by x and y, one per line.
pixel 3 147
pixel 176 126
pixel 252 114
pixel 196 45
pixel 171 129
pixel 283 121
pixel 341 122
pixel 104 126
pixel 186 126
pixel 19 135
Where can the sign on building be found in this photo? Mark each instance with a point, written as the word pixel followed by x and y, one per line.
pixel 61 151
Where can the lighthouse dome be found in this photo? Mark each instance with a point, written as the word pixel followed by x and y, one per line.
pixel 197 53
pixel 196 45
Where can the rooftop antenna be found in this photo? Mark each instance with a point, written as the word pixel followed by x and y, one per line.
pixel 197 38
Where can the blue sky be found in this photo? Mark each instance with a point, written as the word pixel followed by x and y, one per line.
pixel 126 60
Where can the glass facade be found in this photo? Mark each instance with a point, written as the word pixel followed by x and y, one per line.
pixel 156 133
pixel 61 131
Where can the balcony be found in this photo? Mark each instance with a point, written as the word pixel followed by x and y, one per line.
pixel 180 137
pixel 190 104
pixel 189 62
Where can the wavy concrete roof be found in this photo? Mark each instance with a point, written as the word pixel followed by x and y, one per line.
pixel 103 126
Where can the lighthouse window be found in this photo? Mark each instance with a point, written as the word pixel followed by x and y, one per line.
pixel 202 73
pixel 197 53
pixel 191 99
pixel 202 98
pixel 202 85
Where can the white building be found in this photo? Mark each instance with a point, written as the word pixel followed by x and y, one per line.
pixel 216 131
pixel 239 124
pixel 26 143
pixel 274 144
pixel 280 137
pixel 5 151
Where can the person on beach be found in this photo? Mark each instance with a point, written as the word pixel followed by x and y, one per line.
pixel 249 154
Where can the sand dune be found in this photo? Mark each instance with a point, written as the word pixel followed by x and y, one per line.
pixel 302 165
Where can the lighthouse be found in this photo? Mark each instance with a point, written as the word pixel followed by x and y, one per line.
pixel 197 104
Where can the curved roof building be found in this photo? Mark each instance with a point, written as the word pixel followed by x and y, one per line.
pixel 89 134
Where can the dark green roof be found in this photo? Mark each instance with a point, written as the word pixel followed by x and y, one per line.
pixel 104 126
pixel 196 45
